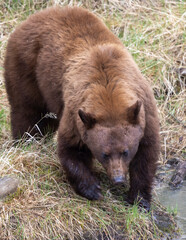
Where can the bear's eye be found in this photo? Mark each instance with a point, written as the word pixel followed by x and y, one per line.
pixel 125 153
pixel 105 156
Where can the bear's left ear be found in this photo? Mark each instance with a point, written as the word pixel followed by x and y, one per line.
pixel 133 112
pixel 88 120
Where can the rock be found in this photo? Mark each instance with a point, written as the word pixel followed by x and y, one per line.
pixel 163 220
pixel 179 175
pixel 173 161
pixel 182 72
pixel 163 173
pixel 8 185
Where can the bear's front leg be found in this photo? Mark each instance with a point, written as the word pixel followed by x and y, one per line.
pixel 77 163
pixel 142 170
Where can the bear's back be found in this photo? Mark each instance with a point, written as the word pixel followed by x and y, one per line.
pixel 40 48
pixel 66 30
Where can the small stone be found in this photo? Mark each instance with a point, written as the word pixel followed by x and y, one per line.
pixel 182 72
pixel 178 176
pixel 163 220
pixel 8 185
pixel 173 161
pixel 176 180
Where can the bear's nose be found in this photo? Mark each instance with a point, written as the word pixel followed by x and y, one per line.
pixel 118 179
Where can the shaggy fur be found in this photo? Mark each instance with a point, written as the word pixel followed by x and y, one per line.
pixel 66 61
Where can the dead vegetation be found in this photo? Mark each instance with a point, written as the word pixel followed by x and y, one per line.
pixel 45 207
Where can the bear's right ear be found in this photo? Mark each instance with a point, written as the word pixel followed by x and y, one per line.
pixel 133 112
pixel 88 120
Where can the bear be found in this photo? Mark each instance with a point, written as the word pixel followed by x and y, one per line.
pixel 66 61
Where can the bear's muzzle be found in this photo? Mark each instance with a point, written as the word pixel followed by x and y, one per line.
pixel 119 179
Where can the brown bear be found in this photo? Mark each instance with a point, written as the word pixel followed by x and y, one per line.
pixel 66 61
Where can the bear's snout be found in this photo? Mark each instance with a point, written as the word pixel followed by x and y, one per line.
pixel 118 176
pixel 118 179
pixel 117 170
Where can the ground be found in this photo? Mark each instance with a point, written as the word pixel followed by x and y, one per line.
pixel 45 207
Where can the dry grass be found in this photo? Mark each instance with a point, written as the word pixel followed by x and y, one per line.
pixel 45 207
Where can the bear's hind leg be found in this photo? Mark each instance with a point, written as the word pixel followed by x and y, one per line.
pixel 32 121
pixel 48 124
pixel 23 120
pixel 28 106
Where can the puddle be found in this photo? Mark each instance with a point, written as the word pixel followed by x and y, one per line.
pixel 175 199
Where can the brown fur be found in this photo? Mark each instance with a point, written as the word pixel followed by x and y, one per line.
pixel 66 61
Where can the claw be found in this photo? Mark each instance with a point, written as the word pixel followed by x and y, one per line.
pixel 90 190
pixel 98 186
pixel 100 196
pixel 142 203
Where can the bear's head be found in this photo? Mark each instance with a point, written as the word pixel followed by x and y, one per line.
pixel 114 144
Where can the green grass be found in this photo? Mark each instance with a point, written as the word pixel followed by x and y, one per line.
pixel 4 124
pixel 173 211
pixel 45 206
